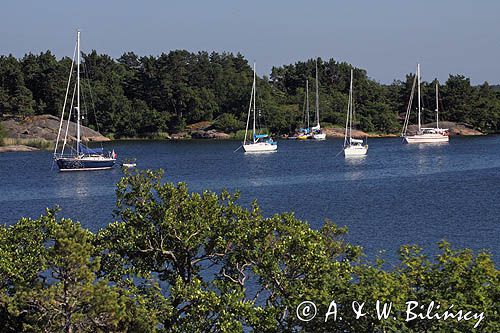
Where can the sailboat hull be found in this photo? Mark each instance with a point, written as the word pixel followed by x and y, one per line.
pixel 85 163
pixel 353 151
pixel 319 136
pixel 260 147
pixel 427 138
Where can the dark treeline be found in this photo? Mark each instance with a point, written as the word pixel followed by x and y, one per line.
pixel 139 96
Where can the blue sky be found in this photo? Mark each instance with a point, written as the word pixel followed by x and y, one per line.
pixel 385 37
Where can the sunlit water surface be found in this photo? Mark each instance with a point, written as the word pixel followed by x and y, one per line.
pixel 398 194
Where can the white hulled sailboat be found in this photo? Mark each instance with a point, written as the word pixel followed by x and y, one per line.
pixel 317 133
pixel 352 147
pixel 424 134
pixel 259 142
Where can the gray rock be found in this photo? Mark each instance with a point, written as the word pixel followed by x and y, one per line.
pixel 46 127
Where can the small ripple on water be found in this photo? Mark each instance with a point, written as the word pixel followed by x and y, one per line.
pixel 397 194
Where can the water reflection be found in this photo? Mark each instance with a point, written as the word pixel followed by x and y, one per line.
pixel 355 160
pixel 429 157
pixel 81 185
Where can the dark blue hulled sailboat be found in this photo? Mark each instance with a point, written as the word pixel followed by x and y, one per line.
pixel 81 157
pixel 87 159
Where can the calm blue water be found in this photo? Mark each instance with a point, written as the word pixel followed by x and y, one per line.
pixel 398 194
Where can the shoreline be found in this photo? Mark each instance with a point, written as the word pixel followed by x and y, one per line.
pixel 39 133
pixel 27 148
pixel 17 148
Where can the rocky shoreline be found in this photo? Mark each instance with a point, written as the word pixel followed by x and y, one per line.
pixel 45 128
pixel 40 132
pixel 454 129
pixel 16 148
pixel 337 132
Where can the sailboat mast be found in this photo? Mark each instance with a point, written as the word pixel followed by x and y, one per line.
pixel 350 109
pixel 307 103
pixel 418 78
pixel 78 93
pixel 248 117
pixel 437 105
pixel 317 95
pixel 254 88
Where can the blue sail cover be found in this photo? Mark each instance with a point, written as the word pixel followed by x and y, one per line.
pixel 260 136
pixel 88 151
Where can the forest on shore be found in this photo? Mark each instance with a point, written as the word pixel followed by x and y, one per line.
pixel 176 261
pixel 138 96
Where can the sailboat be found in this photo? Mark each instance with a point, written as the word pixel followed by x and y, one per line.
pixel 79 157
pixel 305 133
pixel 352 147
pixel 424 134
pixel 317 133
pixel 259 142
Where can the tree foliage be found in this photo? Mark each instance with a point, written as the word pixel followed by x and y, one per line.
pixel 141 96
pixel 48 281
pixel 2 134
pixel 177 261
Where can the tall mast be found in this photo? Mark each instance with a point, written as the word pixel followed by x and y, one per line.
pixel 78 93
pixel 307 103
pixel 254 88
pixel 350 109
pixel 347 131
pixel 437 105
pixel 418 78
pixel 248 117
pixel 317 95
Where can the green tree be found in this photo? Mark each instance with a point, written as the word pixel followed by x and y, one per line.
pixel 204 248
pixel 180 88
pixel 228 123
pixel 2 134
pixel 46 78
pixel 458 96
pixel 49 281
pixel 178 261
pixel 15 98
